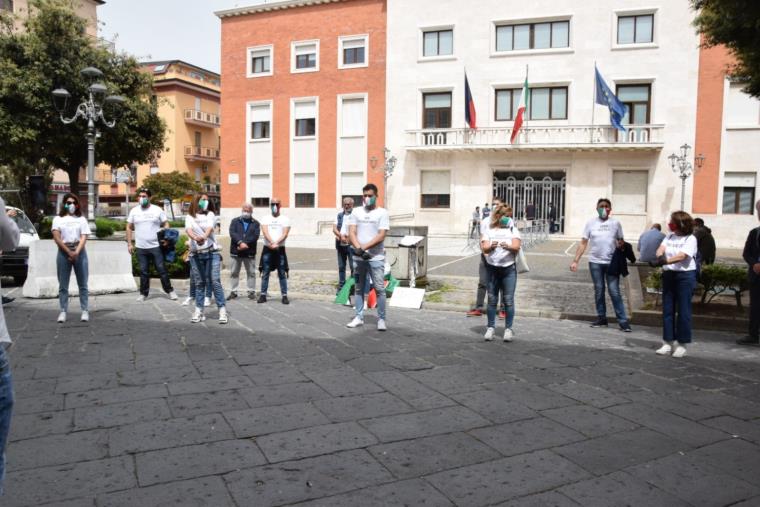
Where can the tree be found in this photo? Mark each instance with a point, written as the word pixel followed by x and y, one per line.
pixel 735 24
pixel 49 54
pixel 172 186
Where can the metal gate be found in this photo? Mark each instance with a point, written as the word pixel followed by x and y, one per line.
pixel 531 199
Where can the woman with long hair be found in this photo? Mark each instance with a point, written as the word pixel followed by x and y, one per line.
pixel 205 257
pixel 677 256
pixel 500 243
pixel 70 231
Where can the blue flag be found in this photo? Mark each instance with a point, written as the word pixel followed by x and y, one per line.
pixel 605 97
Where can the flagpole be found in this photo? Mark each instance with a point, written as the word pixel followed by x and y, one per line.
pixel 593 104
pixel 527 102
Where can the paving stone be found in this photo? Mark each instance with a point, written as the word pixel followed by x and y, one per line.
pixel 313 441
pixel 57 450
pixel 590 421
pixel 614 452
pixel 203 491
pixel 594 396
pixel 158 375
pixel 422 424
pixel 527 435
pixel 47 403
pixel 263 420
pixel 736 457
pixel 494 406
pixel 353 408
pixel 296 481
pixel 674 406
pixel 417 395
pixel 148 436
pixel 622 489
pixel 64 369
pixel 81 383
pixel 188 405
pixel 32 388
pixel 208 385
pixel 748 430
pixel 206 351
pixel 550 499
pixel 507 478
pixel 455 379
pixel 273 373
pixel 63 482
pixel 530 395
pixel 118 414
pixel 168 360
pixel 218 368
pixel 693 479
pixel 683 429
pixel 117 395
pixel 344 382
pixel 398 494
pixel 316 363
pixel 41 424
pixel 260 355
pixel 283 394
pixel 367 364
pixel 424 456
pixel 737 407
pixel 403 361
pixel 751 502
pixel 181 463
pixel 340 350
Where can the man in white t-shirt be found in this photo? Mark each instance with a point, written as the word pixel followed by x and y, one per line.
pixel 604 234
pixel 145 221
pixel 275 229
pixel 366 232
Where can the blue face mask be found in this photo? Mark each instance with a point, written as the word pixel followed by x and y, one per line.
pixel 505 221
pixel 203 204
pixel 275 208
pixel 71 208
pixel 144 201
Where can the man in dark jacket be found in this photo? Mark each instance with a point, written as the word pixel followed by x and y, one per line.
pixel 705 241
pixel 751 256
pixel 244 234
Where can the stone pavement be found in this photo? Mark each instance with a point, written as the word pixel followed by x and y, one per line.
pixel 286 406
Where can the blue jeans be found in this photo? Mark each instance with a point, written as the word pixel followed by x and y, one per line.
pixel 193 277
pixel 504 280
pixel 344 254
pixel 267 257
pixel 81 270
pixel 207 267
pixel 6 406
pixel 144 257
pixel 677 290
pixel 599 276
pixel 376 272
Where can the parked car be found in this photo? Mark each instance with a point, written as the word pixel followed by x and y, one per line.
pixel 16 263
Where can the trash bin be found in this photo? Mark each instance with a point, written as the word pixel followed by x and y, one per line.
pixel 399 257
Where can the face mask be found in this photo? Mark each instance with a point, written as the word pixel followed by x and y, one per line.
pixel 603 213
pixel 203 204
pixel 275 208
pixel 71 208
pixel 505 221
pixel 144 201
pixel 672 227
pixel 245 215
pixel 369 201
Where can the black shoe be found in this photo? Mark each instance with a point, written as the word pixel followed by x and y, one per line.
pixel 748 340
pixel 600 322
pixel 232 295
pixel 285 300
pixel 7 300
pixel 625 327
pixel 251 295
pixel 262 299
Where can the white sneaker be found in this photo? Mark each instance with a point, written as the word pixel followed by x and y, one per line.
pixel 508 335
pixel 356 322
pixel 489 334
pixel 140 298
pixel 665 350
pixel 187 301
pixel 680 351
pixel 222 315
pixel 206 301
pixel 62 317
pixel 85 316
pixel 381 325
pixel 197 316
pixel 173 296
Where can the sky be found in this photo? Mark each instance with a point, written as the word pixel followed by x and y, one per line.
pixel 167 29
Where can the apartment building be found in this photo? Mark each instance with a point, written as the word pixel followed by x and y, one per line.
pixel 87 9
pixel 304 105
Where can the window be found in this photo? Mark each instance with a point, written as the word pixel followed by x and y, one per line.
pixel 555 34
pixel 635 29
pixel 260 202
pixel 303 188
pixel 546 103
pixel 351 184
pixel 197 138
pixel 506 104
pixel 261 189
pixel 305 56
pixel 739 193
pixel 435 189
pixel 260 130
pixel 436 110
pixel 638 100
pixel 260 61
pixel 353 117
pixel 305 119
pixel 261 118
pixel 6 5
pixel 352 52
pixel 438 43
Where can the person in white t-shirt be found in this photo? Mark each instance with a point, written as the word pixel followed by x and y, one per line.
pixel 205 257
pixel 366 232
pixel 603 234
pixel 145 221
pixel 500 243
pixel 70 231
pixel 275 229
pixel 677 255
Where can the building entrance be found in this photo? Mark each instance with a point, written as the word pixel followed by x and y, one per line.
pixel 533 195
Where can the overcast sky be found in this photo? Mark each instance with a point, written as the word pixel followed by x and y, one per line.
pixel 167 29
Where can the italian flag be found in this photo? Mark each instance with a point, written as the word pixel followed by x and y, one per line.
pixel 520 111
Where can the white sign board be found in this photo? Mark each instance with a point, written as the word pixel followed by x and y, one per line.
pixel 233 178
pixel 405 297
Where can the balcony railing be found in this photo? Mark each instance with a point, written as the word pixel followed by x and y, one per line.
pixel 203 118
pixel 566 137
pixel 201 153
pixel 211 188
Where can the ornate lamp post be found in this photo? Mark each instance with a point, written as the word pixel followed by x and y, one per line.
pixel 683 168
pixel 388 166
pixel 90 110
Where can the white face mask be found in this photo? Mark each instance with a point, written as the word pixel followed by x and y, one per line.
pixel 246 215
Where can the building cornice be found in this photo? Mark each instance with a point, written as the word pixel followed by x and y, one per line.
pixel 271 6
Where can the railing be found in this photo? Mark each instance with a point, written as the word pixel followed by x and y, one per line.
pixel 204 152
pixel 533 232
pixel 585 136
pixel 210 188
pixel 202 117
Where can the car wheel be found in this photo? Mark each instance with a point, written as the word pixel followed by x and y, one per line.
pixel 19 280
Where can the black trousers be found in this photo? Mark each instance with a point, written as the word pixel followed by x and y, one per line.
pixel 754 309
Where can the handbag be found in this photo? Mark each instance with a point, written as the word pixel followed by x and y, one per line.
pixel 522 262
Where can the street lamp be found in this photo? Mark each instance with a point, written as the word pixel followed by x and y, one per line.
pixel 389 165
pixel 90 110
pixel 681 165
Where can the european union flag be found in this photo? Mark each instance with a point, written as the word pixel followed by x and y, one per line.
pixel 605 97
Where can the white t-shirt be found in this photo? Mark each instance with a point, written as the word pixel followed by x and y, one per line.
pixel 72 227
pixel 147 222
pixel 368 224
pixel 343 226
pixel 602 236
pixel 198 225
pixel 678 244
pixel 501 256
pixel 276 227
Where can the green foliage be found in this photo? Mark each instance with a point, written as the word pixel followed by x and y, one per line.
pixel 719 278
pixel 176 269
pixel 104 228
pixel 172 186
pixel 654 280
pixel 115 225
pixel 177 224
pixel 735 24
pixel 44 228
